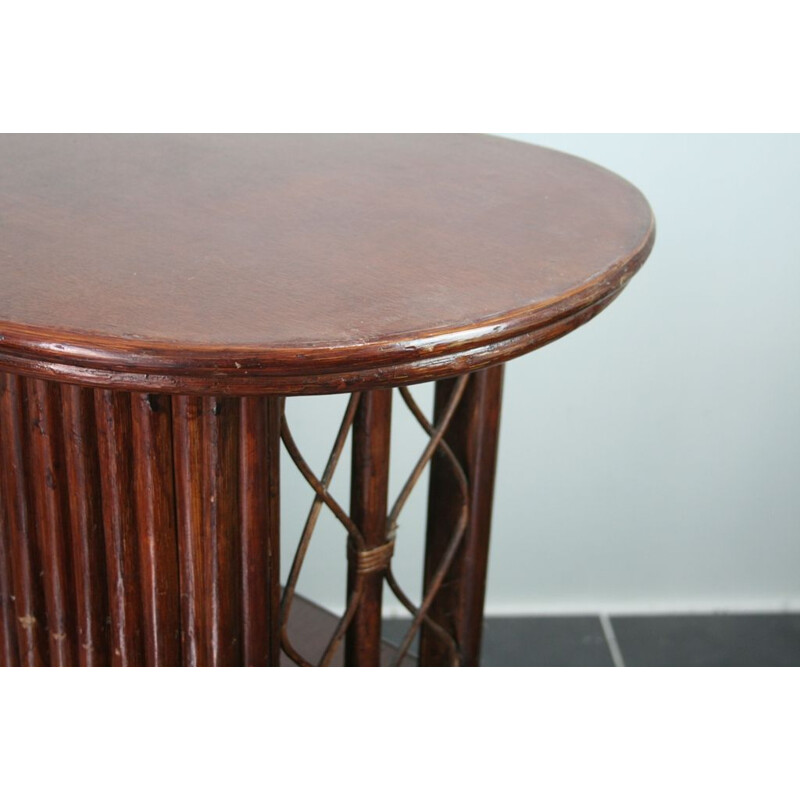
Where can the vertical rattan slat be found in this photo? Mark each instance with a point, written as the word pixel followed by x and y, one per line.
pixel 368 501
pixel 86 524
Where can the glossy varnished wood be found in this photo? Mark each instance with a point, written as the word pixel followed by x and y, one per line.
pixel 473 437
pixel 48 482
pixel 227 499
pixel 161 295
pixel 187 416
pixel 259 498
pixel 9 653
pixel 115 446
pixel 25 557
pixel 221 530
pixel 156 528
pixel 299 264
pixel 368 501
pixel 82 477
pixel 137 529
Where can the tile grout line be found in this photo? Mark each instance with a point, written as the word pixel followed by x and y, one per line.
pixel 611 641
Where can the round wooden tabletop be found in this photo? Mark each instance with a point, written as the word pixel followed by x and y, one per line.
pixel 297 264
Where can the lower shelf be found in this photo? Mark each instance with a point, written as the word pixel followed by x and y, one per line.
pixel 311 628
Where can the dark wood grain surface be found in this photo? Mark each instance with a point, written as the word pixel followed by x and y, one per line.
pixel 235 264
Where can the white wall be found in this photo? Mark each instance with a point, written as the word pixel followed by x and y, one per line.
pixel 650 460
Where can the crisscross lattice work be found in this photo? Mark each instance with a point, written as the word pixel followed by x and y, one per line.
pixel 320 488
pixel 378 559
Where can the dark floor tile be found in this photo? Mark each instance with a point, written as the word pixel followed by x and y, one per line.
pixel 545 642
pixel 394 631
pixel 532 641
pixel 719 640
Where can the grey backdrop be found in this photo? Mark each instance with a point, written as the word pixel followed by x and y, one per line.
pixel 650 460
